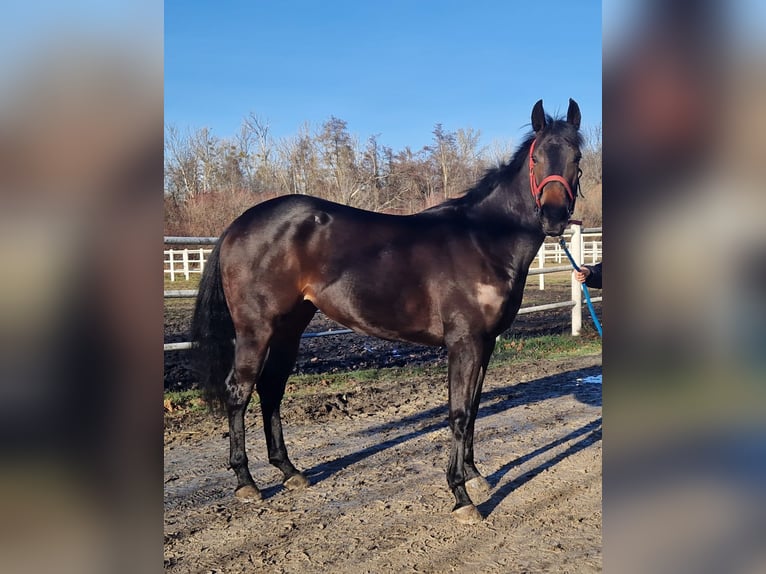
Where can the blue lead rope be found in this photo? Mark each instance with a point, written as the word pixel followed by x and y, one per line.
pixel 596 322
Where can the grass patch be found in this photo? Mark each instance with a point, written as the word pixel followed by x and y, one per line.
pixel 192 283
pixel 181 284
pixel 544 347
pixel 184 401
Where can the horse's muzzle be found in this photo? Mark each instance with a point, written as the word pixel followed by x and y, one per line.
pixel 554 220
pixel 554 230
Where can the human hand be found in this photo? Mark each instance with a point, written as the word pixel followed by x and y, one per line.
pixel 582 274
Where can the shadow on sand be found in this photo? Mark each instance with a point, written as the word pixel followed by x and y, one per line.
pixel 494 401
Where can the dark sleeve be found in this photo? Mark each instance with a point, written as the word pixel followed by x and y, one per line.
pixel 594 279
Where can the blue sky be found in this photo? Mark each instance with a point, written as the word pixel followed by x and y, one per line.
pixel 392 68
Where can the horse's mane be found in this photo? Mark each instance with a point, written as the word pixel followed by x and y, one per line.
pixel 503 174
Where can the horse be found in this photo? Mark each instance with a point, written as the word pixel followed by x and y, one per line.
pixel 452 276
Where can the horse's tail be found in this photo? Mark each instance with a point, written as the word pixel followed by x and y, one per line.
pixel 212 332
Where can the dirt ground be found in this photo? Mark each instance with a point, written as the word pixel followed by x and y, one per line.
pixel 378 500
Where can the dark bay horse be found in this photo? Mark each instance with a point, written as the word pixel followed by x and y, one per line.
pixel 452 276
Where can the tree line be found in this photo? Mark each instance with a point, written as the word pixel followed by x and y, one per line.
pixel 210 180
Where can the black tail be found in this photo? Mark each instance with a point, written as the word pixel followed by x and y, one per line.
pixel 212 332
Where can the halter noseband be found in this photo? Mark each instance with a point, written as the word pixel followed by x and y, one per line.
pixel 537 188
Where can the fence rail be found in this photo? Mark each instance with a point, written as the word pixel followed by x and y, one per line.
pixel 548 251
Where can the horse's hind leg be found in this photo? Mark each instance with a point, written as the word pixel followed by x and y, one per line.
pixel 283 352
pixel 248 363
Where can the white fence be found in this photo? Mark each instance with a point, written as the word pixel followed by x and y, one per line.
pixel 183 263
pixel 551 251
pixel 193 261
pixel 591 247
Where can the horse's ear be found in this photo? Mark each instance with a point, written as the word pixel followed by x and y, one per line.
pixel 573 114
pixel 538 116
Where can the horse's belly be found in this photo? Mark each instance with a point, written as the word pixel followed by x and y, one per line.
pixel 390 319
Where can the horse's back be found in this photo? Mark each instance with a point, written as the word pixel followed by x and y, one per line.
pixel 311 224
pixel 295 208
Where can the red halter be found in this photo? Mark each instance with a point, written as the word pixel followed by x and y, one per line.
pixel 537 188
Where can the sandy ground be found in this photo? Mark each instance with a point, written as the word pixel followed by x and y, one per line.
pixel 378 501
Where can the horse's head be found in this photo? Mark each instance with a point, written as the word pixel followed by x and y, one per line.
pixel 554 166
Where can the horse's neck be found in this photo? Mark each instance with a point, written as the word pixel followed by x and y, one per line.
pixel 506 229
pixel 511 207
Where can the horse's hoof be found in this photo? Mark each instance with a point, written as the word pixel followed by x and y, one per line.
pixel 467 515
pixel 296 482
pixel 478 489
pixel 248 493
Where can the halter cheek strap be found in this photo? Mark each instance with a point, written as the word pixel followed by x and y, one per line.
pixel 537 188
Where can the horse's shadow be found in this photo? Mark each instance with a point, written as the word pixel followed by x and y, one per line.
pixel 592 432
pixel 494 401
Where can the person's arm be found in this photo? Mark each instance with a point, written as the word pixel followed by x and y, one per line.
pixel 593 278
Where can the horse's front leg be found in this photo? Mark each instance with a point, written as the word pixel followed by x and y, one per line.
pixel 477 486
pixel 465 367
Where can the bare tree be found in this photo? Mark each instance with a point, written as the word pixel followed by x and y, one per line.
pixel 204 146
pixel 180 164
pixel 470 165
pixel 339 160
pixel 497 152
pixel 260 151
pixel 444 152
pixel 371 173
pixel 300 164
pixel 591 157
pixel 591 181
pixel 413 175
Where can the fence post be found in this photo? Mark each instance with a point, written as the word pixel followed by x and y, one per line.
pixel 172 265
pixel 541 264
pixel 185 259
pixel 201 260
pixel 576 249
